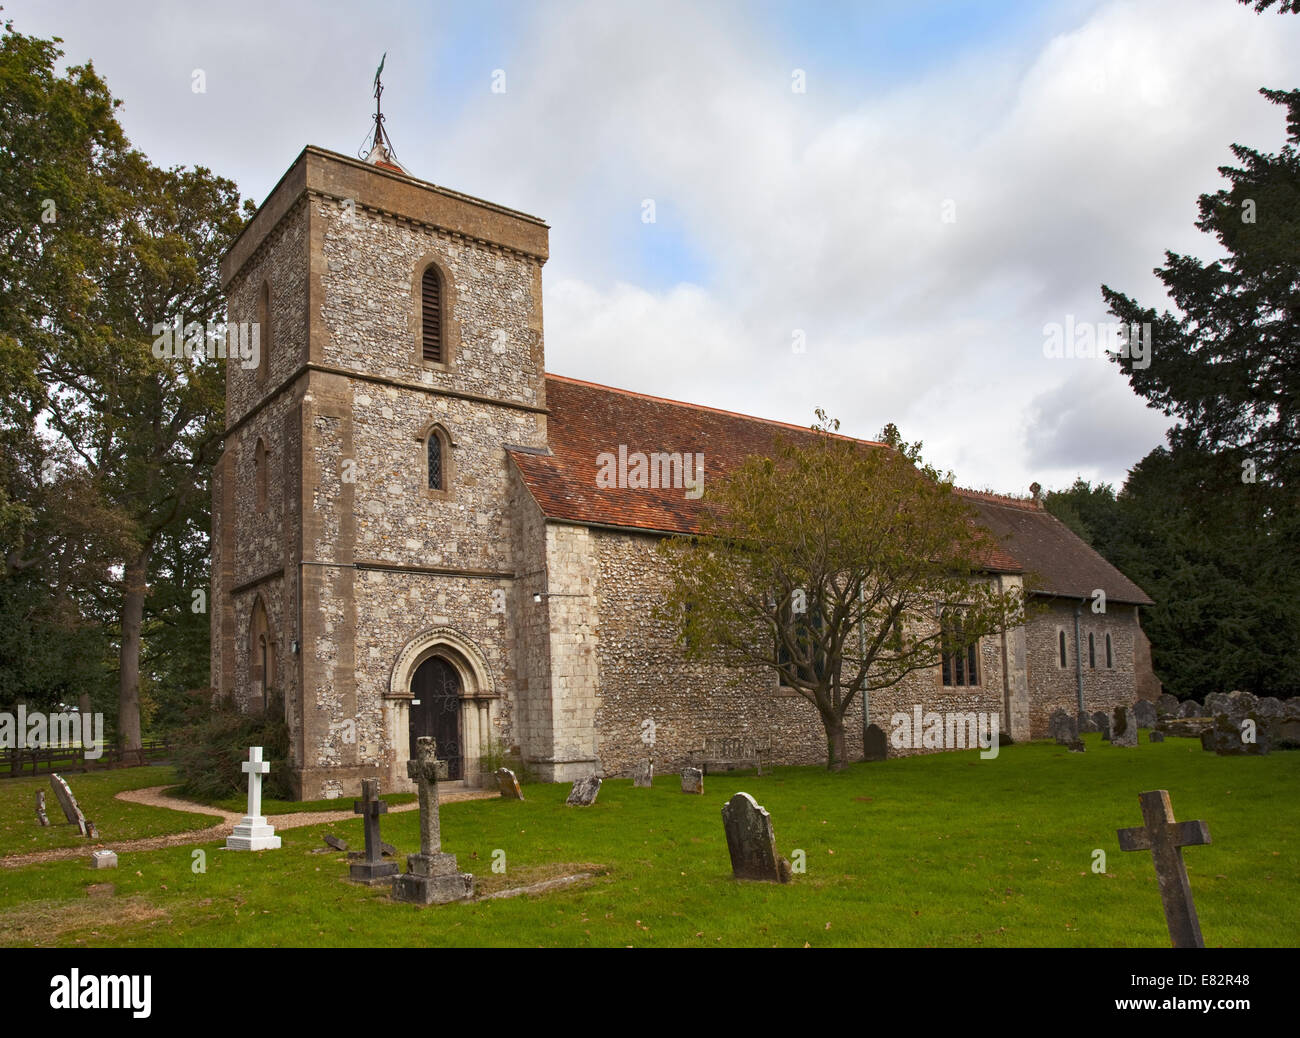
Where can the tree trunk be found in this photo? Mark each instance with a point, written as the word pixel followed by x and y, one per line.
pixel 128 694
pixel 836 744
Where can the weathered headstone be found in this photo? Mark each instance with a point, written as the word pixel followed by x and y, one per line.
pixel 643 775
pixel 1190 708
pixel 751 841
pixel 389 850
pixel 1085 723
pixel 1102 721
pixel 584 792
pixel 1144 713
pixel 337 842
pixel 431 877
pixel 372 869
pixel 509 785
pixel 1061 727
pixel 63 794
pixel 1269 707
pixel 1155 736
pixel 1217 703
pixel 875 743
pixel 1123 732
pixel 1165 838
pixel 692 780
pixel 254 833
pixel 103 859
pixel 1076 746
pixel 1227 737
pixel 1167 705
pixel 41 816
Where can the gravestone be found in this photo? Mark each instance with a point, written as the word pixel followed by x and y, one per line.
pixel 1123 732
pixel 1061 727
pixel 875 743
pixel 1243 702
pixel 1217 703
pixel 509 785
pixel 103 859
pixel 693 780
pixel 1076 746
pixel 1144 713
pixel 643 775
pixel 41 816
pixel 63 794
pixel 1167 705
pixel 1225 738
pixel 584 792
pixel 1165 838
pixel 337 842
pixel 1102 721
pixel 389 850
pixel 91 832
pixel 254 833
pixel 1085 723
pixel 372 869
pixel 1155 736
pixel 751 841
pixel 431 877
pixel 1190 708
pixel 1269 707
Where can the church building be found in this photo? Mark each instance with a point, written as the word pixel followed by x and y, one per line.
pixel 410 538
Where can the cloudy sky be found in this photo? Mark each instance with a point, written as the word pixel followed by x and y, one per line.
pixel 954 176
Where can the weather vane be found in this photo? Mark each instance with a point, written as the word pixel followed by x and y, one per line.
pixel 381 143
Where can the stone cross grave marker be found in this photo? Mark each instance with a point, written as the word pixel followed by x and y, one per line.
pixel 643 776
pixel 751 841
pixel 584 792
pixel 431 877
pixel 373 868
pixel 254 833
pixel 693 780
pixel 1165 838
pixel 63 793
pixel 509 785
pixel 41 816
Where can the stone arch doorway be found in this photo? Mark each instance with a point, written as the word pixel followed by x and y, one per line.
pixel 449 675
pixel 435 711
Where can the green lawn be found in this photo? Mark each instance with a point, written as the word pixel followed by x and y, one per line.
pixel 941 850
pixel 94 790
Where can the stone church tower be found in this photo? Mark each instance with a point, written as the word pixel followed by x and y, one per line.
pixel 364 545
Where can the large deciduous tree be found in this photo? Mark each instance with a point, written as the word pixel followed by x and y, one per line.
pixel 827 566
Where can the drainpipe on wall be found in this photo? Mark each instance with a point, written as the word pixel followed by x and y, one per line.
pixel 1078 653
pixel 862 653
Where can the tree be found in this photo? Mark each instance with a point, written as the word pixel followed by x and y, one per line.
pixel 828 564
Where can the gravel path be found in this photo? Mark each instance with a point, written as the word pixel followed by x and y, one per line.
pixel 153 796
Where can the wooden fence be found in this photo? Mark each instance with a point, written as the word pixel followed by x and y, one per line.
pixel 15 763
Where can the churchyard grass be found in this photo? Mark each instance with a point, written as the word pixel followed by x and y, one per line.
pixel 939 850
pixel 96 794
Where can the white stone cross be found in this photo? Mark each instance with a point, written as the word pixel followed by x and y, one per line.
pixel 255 768
pixel 253 833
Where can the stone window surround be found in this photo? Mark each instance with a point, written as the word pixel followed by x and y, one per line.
pixel 1062 657
pixel 264 330
pixel 448 491
pixel 450 326
pixel 261 464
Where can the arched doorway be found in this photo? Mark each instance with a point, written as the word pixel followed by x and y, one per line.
pixel 435 711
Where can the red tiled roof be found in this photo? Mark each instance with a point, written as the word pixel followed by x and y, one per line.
pixel 1056 560
pixel 587 420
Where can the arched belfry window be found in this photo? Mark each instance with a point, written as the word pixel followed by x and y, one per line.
pixel 264 329
pixel 431 338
